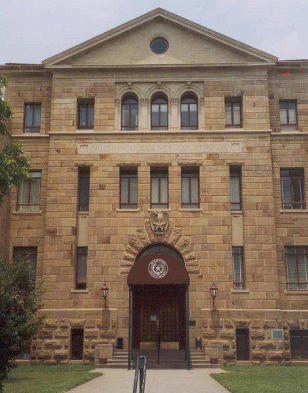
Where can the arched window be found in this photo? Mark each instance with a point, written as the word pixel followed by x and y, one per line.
pixel 189 112
pixel 129 113
pixel 159 112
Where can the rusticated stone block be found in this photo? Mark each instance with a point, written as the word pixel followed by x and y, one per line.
pixel 44 355
pixel 45 334
pixel 91 333
pixel 90 324
pixel 226 335
pixel 77 323
pixel 51 323
pixel 257 335
pixel 61 355
pixel 267 345
pixel 275 356
pixel 258 356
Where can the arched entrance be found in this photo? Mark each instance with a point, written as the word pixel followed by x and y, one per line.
pixel 158 283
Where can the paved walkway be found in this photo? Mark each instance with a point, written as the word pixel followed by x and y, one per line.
pixel 157 381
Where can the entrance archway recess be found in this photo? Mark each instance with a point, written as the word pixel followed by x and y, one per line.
pixel 158 301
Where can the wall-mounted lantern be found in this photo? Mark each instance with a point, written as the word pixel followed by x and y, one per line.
pixel 213 291
pixel 105 291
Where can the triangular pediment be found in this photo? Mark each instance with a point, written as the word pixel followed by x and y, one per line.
pixel 189 44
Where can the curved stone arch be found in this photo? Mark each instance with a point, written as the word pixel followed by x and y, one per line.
pixel 157 89
pixel 189 88
pixel 173 237
pixel 126 90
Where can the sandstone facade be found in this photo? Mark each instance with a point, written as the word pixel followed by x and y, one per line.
pixel 204 236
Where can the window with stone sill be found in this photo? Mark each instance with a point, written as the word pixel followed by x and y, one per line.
pixel 129 118
pixel 189 112
pixel 128 188
pixel 288 114
pixel 190 187
pixel 235 187
pixel 233 112
pixel 32 122
pixel 292 188
pixel 159 112
pixel 81 268
pixel 238 267
pixel 159 188
pixel 85 113
pixel 296 260
pixel 28 195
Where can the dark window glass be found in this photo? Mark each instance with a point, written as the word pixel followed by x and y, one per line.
pixel 235 188
pixel 242 344
pixel 159 45
pixel 292 188
pixel 190 187
pixel 28 199
pixel 81 267
pixel 128 188
pixel 83 188
pixel 129 113
pixel 159 188
pixel 77 344
pixel 297 267
pixel 299 344
pixel 159 113
pixel 238 267
pixel 85 113
pixel 233 112
pixel 32 117
pixel 29 253
pixel 189 112
pixel 288 113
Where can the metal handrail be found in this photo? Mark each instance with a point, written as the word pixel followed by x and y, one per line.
pixel 140 374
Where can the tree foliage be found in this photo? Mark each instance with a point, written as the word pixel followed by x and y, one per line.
pixel 19 310
pixel 14 165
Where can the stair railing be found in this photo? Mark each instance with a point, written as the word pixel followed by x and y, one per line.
pixel 140 374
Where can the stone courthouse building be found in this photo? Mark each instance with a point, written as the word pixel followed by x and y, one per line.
pixel 165 157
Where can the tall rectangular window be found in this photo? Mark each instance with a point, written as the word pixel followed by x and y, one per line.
pixel 29 253
pixel 32 117
pixel 288 114
pixel 233 112
pixel 297 267
pixel 28 198
pixel 190 187
pixel 236 187
pixel 85 113
pixel 159 188
pixel 238 267
pixel 292 188
pixel 83 188
pixel 81 268
pixel 128 188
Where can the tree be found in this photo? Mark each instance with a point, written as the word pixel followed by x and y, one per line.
pixel 14 165
pixel 19 310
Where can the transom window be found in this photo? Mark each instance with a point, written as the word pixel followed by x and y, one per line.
pixel 292 188
pixel 28 199
pixel 233 111
pixel 297 267
pixel 129 113
pixel 159 187
pixel 288 113
pixel 128 188
pixel 159 112
pixel 190 187
pixel 85 113
pixel 189 112
pixel 32 117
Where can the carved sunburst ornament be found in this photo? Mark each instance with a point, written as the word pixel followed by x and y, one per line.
pixel 158 268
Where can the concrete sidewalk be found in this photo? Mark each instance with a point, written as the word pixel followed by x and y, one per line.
pixel 157 381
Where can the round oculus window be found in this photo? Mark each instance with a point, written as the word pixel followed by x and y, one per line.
pixel 159 45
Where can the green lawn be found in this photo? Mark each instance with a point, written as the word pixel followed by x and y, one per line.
pixel 264 379
pixel 47 379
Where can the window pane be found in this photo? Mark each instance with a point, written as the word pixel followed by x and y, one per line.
pixel 37 115
pixel 124 190
pixel 82 116
pixel 193 115
pixel 194 190
pixel 164 115
pixel 164 190
pixel 35 191
pixel 228 114
pixel 84 188
pixel 303 268
pixel 81 268
pixel 185 190
pixel 184 115
pixel 125 116
pixel 236 114
pixel 283 116
pixel 133 190
pixel 134 115
pixel 23 192
pixel 235 189
pixel 155 115
pixel 155 190
pixel 90 116
pixel 28 115
pixel 297 189
pixel 292 116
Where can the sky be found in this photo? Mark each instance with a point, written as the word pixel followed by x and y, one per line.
pixel 33 30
